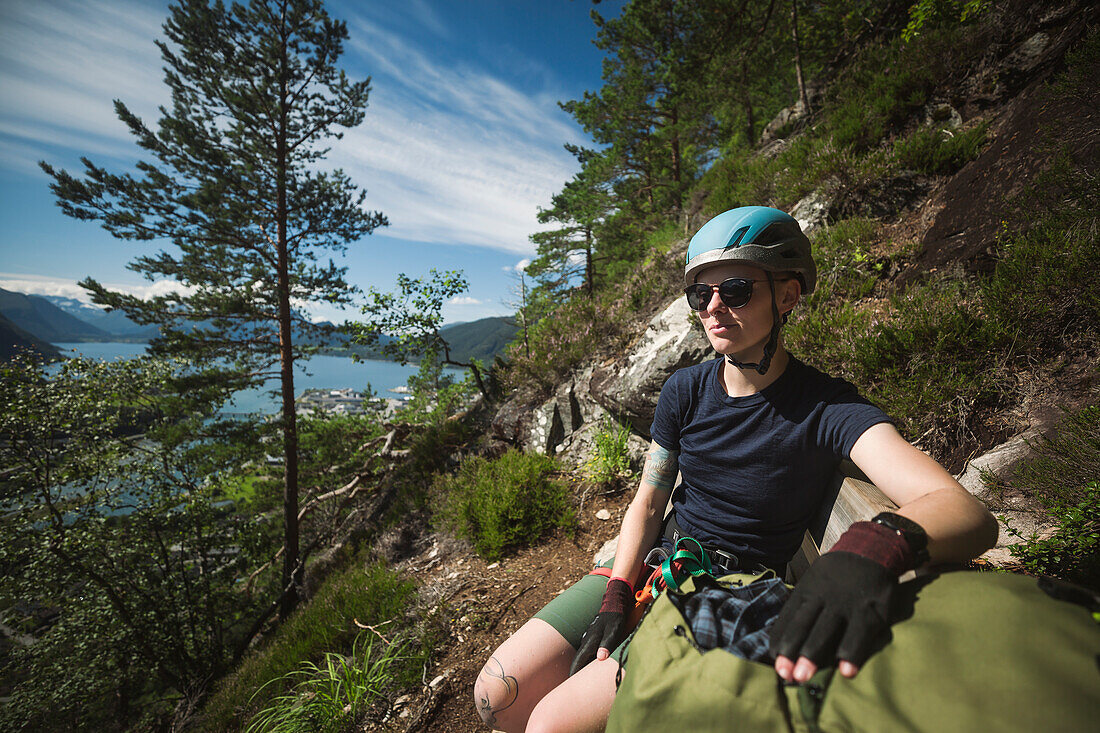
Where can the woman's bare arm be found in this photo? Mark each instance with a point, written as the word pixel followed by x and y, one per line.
pixel 959 526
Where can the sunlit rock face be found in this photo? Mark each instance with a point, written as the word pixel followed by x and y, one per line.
pixel 629 387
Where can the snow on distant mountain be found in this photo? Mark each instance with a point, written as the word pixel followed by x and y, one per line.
pixel 114 322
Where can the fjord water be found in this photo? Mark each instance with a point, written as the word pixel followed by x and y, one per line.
pixel 320 372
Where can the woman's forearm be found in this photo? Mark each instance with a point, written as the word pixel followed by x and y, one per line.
pixel 642 521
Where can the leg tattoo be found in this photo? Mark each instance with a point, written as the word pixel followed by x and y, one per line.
pixel 493 670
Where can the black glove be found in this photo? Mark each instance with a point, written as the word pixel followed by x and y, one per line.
pixel 608 629
pixel 841 609
pixel 838 611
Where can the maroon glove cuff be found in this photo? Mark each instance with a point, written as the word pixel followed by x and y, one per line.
pixel 616 596
pixel 881 544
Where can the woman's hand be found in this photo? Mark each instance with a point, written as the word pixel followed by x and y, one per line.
pixel 608 629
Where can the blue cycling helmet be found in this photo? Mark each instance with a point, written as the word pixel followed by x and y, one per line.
pixel 758 235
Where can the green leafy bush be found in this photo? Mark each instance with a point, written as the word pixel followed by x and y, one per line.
pixel 1073 551
pixel 504 503
pixel 934 150
pixel 1062 474
pixel 609 459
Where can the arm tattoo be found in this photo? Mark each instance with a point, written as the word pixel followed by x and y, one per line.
pixel 661 466
pixel 494 670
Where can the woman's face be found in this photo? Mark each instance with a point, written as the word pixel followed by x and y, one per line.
pixel 743 331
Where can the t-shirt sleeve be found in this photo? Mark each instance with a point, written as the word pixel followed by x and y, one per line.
pixel 846 417
pixel 668 417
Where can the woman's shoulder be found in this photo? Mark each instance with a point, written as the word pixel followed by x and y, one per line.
pixel 813 381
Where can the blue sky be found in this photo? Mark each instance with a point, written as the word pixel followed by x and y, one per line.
pixel 461 144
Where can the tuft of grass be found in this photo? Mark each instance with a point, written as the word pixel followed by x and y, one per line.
pixel 504 503
pixel 935 150
pixel 369 594
pixel 610 459
pixel 334 695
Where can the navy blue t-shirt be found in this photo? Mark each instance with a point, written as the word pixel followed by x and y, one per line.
pixel 755 468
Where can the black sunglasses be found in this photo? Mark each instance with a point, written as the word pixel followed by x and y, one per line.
pixel 735 293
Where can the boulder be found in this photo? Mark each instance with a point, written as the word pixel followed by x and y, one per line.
pixel 811 212
pixel 512 421
pixel 629 389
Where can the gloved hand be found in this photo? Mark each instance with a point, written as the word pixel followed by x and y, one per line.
pixel 608 629
pixel 841 608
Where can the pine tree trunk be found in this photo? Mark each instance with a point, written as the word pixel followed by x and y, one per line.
pixel 803 98
pixel 677 198
pixel 589 274
pixel 292 572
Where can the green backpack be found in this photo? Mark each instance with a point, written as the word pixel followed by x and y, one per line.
pixel 970 652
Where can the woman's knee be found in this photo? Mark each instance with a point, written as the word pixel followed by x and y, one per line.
pixel 496 693
pixel 578 705
pixel 519 673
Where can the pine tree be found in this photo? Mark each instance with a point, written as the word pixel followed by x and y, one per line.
pixel 233 185
pixel 579 209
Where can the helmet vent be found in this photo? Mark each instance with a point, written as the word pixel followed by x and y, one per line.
pixel 776 232
pixel 737 237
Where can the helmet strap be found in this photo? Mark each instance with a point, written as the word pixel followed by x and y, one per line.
pixel 761 366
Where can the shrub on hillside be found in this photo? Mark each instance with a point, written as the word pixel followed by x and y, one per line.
pixel 1062 474
pixel 882 89
pixel 504 503
pixel 936 151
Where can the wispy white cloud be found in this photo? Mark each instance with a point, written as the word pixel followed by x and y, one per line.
pixel 519 266
pixel 42 285
pixel 464 300
pixel 61 66
pixel 449 152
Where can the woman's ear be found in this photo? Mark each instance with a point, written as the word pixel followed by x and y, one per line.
pixel 789 295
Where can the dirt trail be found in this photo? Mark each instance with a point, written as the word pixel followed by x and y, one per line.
pixel 488 602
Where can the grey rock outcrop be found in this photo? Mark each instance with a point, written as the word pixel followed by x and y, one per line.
pixel 1026 517
pixel 630 388
pixel 623 390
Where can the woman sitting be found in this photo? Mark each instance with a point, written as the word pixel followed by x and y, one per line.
pixel 757 435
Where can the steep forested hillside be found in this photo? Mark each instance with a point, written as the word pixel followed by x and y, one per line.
pixel 14 340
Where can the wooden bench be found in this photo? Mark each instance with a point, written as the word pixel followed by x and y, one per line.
pixel 851 498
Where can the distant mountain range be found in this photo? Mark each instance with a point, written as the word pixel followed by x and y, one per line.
pixel 482 339
pixel 14 340
pixel 114 323
pixel 35 321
